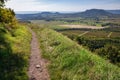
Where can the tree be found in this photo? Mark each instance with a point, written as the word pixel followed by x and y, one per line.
pixel 2 2
pixel 7 16
pixel 110 52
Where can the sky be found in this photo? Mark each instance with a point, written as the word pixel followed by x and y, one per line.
pixel 62 5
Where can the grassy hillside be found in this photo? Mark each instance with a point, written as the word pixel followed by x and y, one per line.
pixel 69 61
pixel 104 42
pixel 14 53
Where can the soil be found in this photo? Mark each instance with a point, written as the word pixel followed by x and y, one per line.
pixel 37 65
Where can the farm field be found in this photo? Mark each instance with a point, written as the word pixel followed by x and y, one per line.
pixel 82 26
pixel 46 22
pixel 91 33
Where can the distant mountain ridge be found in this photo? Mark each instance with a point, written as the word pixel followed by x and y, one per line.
pixel 114 11
pixel 95 13
pixel 92 13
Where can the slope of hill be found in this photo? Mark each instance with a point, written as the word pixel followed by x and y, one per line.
pixel 114 11
pixel 69 61
pixel 93 13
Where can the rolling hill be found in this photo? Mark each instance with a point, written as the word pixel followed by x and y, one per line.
pixel 92 13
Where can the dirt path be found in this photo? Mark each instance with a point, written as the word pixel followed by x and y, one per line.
pixel 37 65
pixel 109 34
pixel 84 33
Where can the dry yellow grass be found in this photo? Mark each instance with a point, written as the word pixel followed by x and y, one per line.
pixel 82 26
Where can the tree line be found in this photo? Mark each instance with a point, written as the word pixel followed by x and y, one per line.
pixel 106 48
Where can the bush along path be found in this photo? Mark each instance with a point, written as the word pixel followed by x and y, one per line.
pixel 37 65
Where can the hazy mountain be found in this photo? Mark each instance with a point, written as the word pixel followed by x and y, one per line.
pixel 114 11
pixel 96 13
pixel 92 13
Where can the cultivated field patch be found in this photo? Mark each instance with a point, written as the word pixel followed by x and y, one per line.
pixel 82 26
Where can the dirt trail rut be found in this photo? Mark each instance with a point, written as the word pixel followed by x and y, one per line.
pixel 37 65
pixel 84 33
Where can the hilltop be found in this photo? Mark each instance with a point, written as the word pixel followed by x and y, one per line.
pixel 96 13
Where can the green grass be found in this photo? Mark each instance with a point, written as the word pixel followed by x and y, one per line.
pixel 69 61
pixel 14 53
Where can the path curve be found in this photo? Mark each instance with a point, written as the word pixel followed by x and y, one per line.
pixel 37 65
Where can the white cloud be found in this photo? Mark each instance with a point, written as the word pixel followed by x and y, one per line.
pixel 41 5
pixel 26 5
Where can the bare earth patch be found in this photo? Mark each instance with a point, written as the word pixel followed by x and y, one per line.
pixel 37 65
pixel 82 26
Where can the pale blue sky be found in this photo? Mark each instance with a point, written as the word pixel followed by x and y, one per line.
pixel 62 5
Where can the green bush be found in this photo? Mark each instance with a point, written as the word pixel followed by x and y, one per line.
pixel 7 17
pixel 110 52
pixel 14 53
